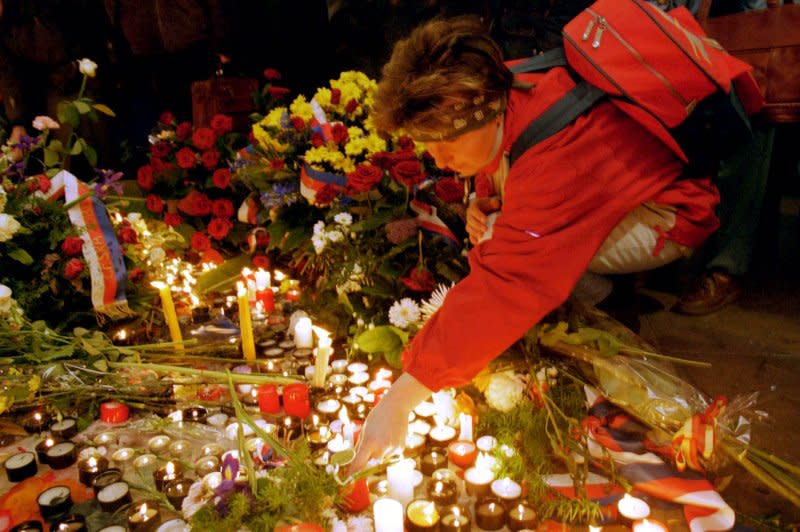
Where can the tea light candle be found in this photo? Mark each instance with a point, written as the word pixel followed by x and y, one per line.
pixel 442 435
pixel 414 444
pixel 159 444
pixel 506 490
pixel 443 491
pixel 320 437
pixel 486 444
pixel 42 447
pixel 434 459
pixel 360 411
pixel 122 457
pixel 388 515
pixel 166 473
pixel 303 337
pixel 328 406
pixel 88 468
pixel 212 480
pixel 65 429
pixel 649 525
pixel 478 481
pixel 205 465
pixel 422 516
pixel 420 427
pixel 114 496
pixel 35 422
pixel 109 476
pixel 114 528
pixel 113 412
pixel 338 366
pixel 211 449
pixel 180 448
pixel 425 410
pixel 61 455
pixel 379 385
pixel 105 438
pixel 462 453
pixel 54 501
pixel 144 517
pixel 455 518
pixel 357 367
pixel 378 486
pixel 144 462
pixel 631 509
pixel 521 516
pixel 358 379
pixel 217 420
pixel 321 457
pixel 196 414
pixel 70 523
pixel 177 490
pixel 490 514
pixel 401 480
pixel 174 525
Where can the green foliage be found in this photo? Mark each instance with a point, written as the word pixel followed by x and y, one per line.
pixel 385 339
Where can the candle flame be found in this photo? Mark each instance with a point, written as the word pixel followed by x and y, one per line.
pixel 170 468
pixel 240 289
pixel 49 442
pixel 37 416
pixel 92 462
pixel 429 509
pixel 143 509
pixel 158 284
pixel 439 487
pixel 345 419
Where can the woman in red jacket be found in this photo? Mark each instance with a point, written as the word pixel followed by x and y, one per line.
pixel 602 195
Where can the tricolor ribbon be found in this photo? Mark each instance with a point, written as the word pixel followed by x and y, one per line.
pixel 698 437
pixel 248 211
pixel 322 121
pixel 101 250
pixel 312 181
pixel 430 221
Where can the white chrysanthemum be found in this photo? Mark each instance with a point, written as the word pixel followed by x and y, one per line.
pixel 359 524
pixel 194 500
pixel 404 313
pixel 8 227
pixel 319 228
pixel 435 302
pixel 505 391
pixel 334 236
pixel 343 218
pixel 319 242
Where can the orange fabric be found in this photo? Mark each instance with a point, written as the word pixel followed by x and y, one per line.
pixel 562 199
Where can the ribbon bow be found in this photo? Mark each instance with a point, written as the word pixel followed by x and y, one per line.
pixel 697 437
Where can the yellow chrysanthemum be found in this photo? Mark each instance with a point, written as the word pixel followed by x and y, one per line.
pixel 274 118
pixel 266 141
pixel 300 107
pixel 323 97
pixel 354 132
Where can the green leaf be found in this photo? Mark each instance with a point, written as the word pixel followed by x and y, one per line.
pixel 343 457
pixel 22 256
pixel 67 113
pixel 101 365
pixel 90 154
pixel 82 107
pixel 51 158
pixel 394 358
pixel 296 236
pixel 106 110
pixel 381 339
pixel 77 148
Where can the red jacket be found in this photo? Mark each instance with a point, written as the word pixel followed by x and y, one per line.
pixel 561 200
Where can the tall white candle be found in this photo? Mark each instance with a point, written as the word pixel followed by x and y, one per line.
pixel 324 351
pixel 262 280
pixel 302 334
pixel 401 480
pixel 388 515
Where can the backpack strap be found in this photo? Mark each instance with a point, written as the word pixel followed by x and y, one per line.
pixel 544 61
pixel 556 117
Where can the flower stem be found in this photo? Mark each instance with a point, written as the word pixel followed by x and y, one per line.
pixel 216 375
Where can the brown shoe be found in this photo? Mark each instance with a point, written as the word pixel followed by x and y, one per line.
pixel 711 292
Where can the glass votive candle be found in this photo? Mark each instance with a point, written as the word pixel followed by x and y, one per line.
pixel 521 516
pixel 54 501
pixel 289 428
pixel 378 486
pixel 319 436
pixel 145 462
pixel 630 509
pixel 105 438
pixel 443 492
pixel 205 465
pixel 196 414
pixel 478 481
pixel 455 518
pixel 507 491
pixel 180 448
pixel 177 490
pixel 159 444
pixel 90 468
pixel 422 516
pixel 65 429
pixel 490 514
pixel 415 443
pixel 462 453
pixel 432 460
pixel 144 516
pixel 61 455
pixel 114 496
pixel 211 449
pixel 321 457
pixel 167 473
pixel 212 480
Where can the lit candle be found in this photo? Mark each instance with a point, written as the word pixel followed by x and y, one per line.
pixel 144 517
pixel 303 337
pixel 414 444
pixel 262 280
pixel 422 516
pixel 631 509
pixel 65 429
pixel 324 352
pixel 359 379
pixel 388 515
pixel 490 514
pixel 167 473
pixel 177 490
pixel 159 444
pixel 486 443
pixel 462 453
pixel 245 323
pixel 649 525
pixel 212 481
pixel 442 435
pixel 170 316
pixel 401 480
pixel 425 410
pixel 507 490
pixel 434 459
pixel 205 465
pixel 478 481
pixel 455 519
pixel 90 468
pixel 521 516
pixel 465 427
pixel 42 447
pixel 443 491
pixel 339 444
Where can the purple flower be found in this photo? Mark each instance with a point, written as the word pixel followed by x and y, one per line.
pixel 27 143
pixel 108 181
pixel 280 195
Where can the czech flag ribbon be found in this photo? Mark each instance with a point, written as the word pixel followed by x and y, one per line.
pixel 312 181
pixel 101 250
pixel 430 221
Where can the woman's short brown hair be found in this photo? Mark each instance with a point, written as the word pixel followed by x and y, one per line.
pixel 446 66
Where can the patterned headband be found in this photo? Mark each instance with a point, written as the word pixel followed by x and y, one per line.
pixel 466 116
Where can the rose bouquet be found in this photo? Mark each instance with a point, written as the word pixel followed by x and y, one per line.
pixel 188 183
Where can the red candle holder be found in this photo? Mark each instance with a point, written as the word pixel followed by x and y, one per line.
pixel 268 399
pixel 113 412
pixel 267 299
pixel 296 401
pixel 462 453
pixel 355 496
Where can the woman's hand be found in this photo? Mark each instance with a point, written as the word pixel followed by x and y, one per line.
pixel 477 214
pixel 386 426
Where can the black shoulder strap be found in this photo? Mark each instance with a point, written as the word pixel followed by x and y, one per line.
pixel 561 113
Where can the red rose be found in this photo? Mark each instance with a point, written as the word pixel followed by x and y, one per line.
pixel 159 149
pixel 277 164
pixel 221 178
pixel 136 275
pixel 402 155
pixel 222 208
pixel 364 178
pixel 183 131
pixel 39 182
pixel 317 139
pixel 221 124
pixel 144 176
pixel 173 219
pixel 160 166
pixel 409 173
pixel 271 74
pixel 72 246
pixel 325 195
pixel 449 190
pixel 382 159
pixel 210 159
pixel 351 106
pixel 419 280
pixel 279 93
pixel 127 235
pixel 187 158
pixel 406 143
pixel 339 132
pixel 200 242
pixel 195 204
pixel 261 261
pixel 73 268
pixel 204 138
pixel 262 239
pixel 336 96
pixel 154 204
pixel 166 118
pixel 298 123
pixel 219 228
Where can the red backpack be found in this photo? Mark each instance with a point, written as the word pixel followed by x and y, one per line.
pixel 657 67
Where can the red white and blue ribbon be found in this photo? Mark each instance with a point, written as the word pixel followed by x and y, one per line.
pixel 429 220
pixel 312 181
pixel 101 250
pixel 322 121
